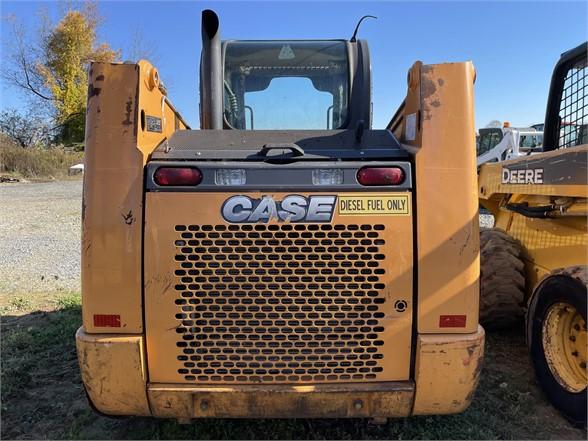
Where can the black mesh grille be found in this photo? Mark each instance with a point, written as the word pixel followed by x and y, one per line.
pixel 279 303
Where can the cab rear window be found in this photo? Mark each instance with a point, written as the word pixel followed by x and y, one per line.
pixel 286 84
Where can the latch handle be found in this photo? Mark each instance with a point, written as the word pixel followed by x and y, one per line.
pixel 294 148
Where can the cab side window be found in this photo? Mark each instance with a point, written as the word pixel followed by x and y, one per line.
pixel 488 140
pixel 572 108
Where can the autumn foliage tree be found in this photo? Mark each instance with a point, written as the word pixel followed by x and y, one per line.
pixel 53 67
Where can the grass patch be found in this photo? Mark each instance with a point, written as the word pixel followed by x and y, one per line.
pixel 28 348
pixel 68 301
pixel 37 163
pixel 19 303
pixel 39 372
pixel 36 302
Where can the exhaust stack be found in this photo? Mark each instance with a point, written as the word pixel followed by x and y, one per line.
pixel 211 74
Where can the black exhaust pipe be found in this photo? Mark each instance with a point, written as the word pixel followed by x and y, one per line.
pixel 211 73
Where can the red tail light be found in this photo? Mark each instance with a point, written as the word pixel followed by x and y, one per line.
pixel 452 321
pixel 107 320
pixel 177 176
pixel 380 176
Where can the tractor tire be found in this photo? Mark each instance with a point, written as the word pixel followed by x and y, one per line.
pixel 502 280
pixel 556 336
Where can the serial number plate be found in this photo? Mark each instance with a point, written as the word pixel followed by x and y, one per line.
pixel 378 205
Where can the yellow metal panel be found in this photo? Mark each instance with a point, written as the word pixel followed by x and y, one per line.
pixel 446 375
pixel 153 103
pixel 447 371
pixel 164 330
pixel 114 373
pixel 490 179
pixel 447 203
pixel 117 147
pixel 548 243
pixel 392 399
pixel 111 210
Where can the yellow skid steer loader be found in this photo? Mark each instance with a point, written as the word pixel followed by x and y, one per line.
pixel 535 258
pixel 285 260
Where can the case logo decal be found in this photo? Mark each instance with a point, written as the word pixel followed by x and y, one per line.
pixel 293 208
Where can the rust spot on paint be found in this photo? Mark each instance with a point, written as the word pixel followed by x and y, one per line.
pixel 465 244
pixel 128 218
pixel 478 369
pixel 471 354
pixel 470 350
pixel 87 246
pixel 428 89
pixel 93 91
pixel 128 111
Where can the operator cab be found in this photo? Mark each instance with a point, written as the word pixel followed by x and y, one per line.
pixel 283 84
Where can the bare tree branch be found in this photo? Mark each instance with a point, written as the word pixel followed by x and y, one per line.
pixel 25 129
pixel 28 81
pixel 141 48
pixel 68 118
pixel 21 65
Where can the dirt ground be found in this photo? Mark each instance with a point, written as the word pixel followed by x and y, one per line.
pixel 41 392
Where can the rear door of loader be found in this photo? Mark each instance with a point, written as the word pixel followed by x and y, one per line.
pixel 278 272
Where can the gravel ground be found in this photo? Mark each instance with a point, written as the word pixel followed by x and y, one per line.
pixel 40 228
pixel 40 236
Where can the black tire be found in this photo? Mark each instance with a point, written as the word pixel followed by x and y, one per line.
pixel 561 287
pixel 502 280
